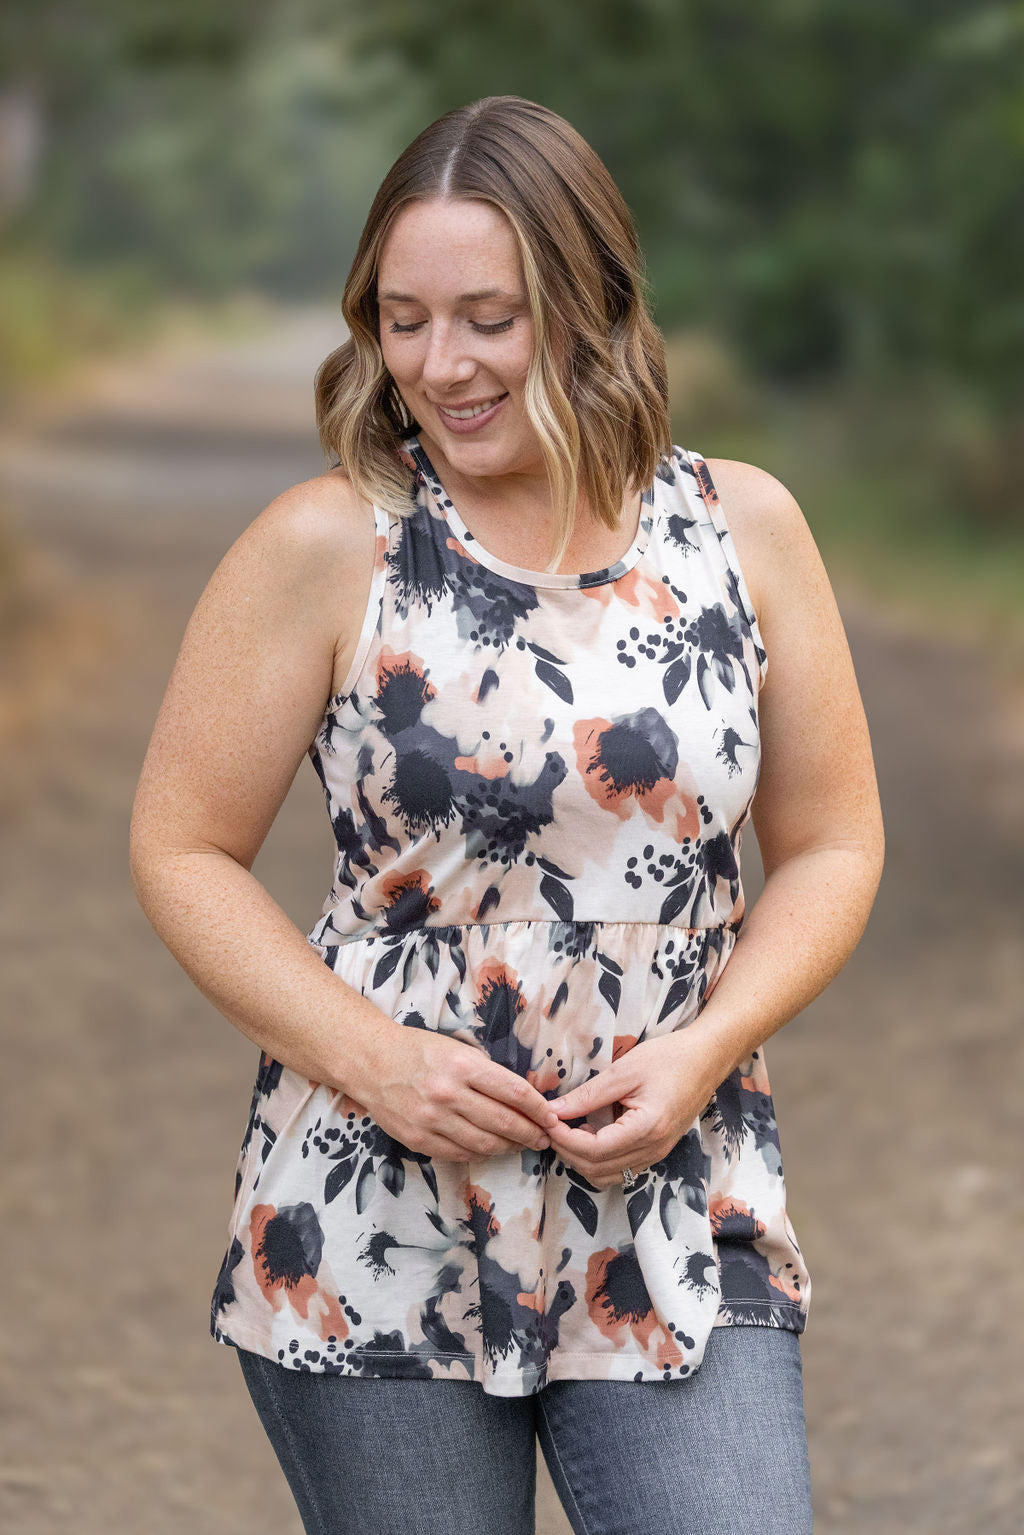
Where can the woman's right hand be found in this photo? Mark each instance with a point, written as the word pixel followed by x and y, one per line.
pixel 447 1099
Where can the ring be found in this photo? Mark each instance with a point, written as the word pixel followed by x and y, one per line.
pixel 628 1177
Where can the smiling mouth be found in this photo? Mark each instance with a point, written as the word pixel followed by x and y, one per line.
pixel 467 412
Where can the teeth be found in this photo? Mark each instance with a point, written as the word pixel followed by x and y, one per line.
pixel 466 415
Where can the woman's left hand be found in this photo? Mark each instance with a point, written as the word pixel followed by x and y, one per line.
pixel 662 1084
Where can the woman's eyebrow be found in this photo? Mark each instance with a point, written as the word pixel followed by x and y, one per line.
pixel 464 298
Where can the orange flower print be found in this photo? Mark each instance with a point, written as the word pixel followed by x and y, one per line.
pixel 286 1245
pixel 402 688
pixel 730 1217
pixel 407 899
pixel 634 760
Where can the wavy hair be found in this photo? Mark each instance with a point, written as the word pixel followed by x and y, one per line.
pixel 596 389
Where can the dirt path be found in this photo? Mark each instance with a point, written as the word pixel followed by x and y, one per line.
pixel 897 1092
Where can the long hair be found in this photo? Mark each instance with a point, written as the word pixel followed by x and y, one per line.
pixel 602 415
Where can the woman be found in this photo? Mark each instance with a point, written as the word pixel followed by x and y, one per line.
pixel 511 1164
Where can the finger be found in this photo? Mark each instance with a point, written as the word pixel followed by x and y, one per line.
pixel 495 1118
pixel 506 1086
pixel 617 1141
pixel 606 1177
pixel 441 1148
pixel 480 1141
pixel 603 1088
pixel 605 1174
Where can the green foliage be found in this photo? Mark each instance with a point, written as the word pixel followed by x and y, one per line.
pixel 834 184
pixel 832 187
pixel 51 317
pixel 225 146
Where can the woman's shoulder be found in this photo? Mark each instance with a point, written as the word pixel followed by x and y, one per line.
pixel 316 534
pixel 313 546
pixel 766 522
pixel 320 516
pixel 750 495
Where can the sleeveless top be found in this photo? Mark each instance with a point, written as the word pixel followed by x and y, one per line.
pixel 537 785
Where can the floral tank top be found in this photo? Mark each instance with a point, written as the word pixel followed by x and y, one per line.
pixel 537 785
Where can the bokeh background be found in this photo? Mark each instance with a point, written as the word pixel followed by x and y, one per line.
pixel 829 196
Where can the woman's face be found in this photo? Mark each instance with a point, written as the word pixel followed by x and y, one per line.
pixel 456 332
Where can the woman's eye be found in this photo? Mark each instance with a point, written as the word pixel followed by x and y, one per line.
pixel 485 330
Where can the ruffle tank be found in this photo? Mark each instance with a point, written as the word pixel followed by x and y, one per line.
pixel 537 785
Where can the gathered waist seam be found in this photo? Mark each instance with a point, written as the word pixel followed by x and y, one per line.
pixel 452 927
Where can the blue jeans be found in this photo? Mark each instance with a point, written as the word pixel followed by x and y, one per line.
pixel 722 1452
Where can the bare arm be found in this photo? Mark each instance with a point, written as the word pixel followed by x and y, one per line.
pixel 816 811
pixel 271 636
pixel 275 624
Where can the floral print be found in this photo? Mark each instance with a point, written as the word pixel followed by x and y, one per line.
pixel 537 785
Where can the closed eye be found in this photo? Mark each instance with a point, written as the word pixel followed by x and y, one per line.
pixel 485 330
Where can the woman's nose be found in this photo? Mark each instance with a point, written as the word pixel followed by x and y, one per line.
pixel 445 361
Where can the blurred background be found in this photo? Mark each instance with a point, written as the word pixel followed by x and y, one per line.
pixel 829 196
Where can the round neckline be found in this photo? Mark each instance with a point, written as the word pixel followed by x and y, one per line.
pixel 521 573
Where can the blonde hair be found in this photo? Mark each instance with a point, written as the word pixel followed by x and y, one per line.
pixel 602 417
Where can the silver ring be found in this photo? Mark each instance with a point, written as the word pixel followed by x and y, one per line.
pixel 628 1177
